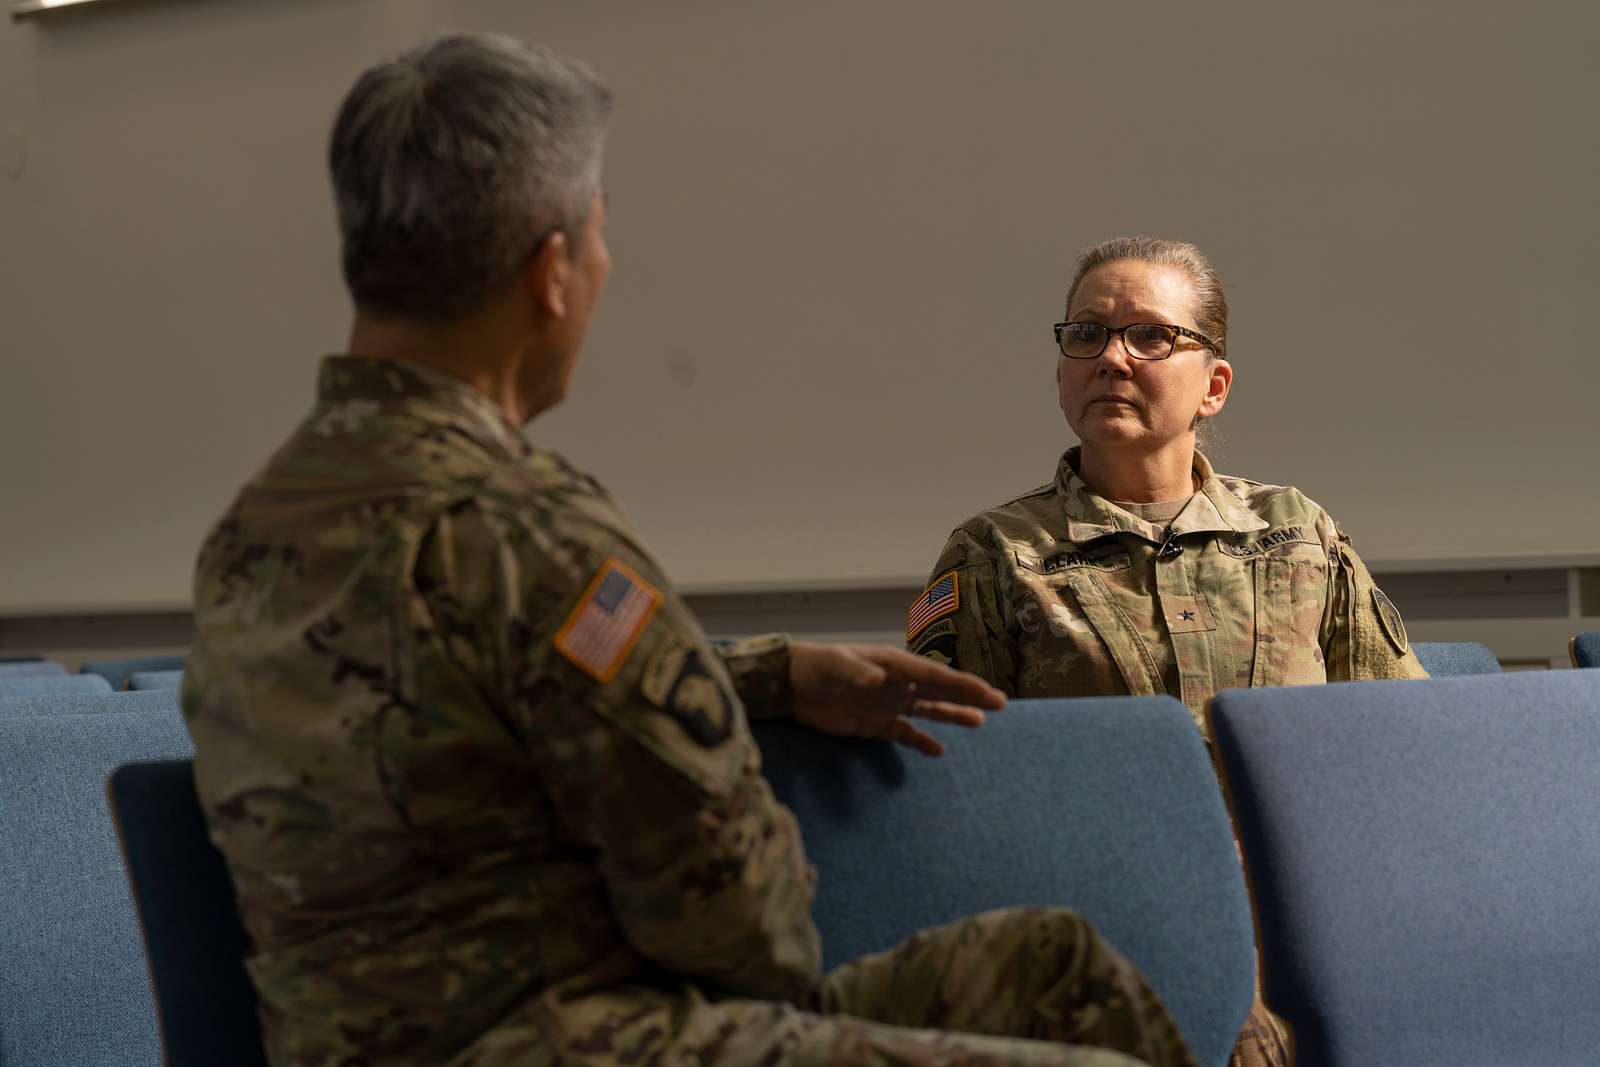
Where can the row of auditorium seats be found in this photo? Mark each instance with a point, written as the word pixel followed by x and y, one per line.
pixel 146 672
pixel 1426 885
pixel 29 678
pixel 21 677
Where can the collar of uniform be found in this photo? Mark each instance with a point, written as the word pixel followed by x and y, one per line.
pixel 1091 516
pixel 394 381
pixel 1215 506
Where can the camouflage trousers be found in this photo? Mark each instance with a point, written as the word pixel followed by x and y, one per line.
pixel 1262 1042
pixel 1017 986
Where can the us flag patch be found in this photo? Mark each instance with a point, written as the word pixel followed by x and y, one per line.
pixel 938 600
pixel 608 620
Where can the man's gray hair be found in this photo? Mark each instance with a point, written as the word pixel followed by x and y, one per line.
pixel 452 163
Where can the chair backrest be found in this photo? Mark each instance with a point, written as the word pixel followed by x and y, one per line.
pixel 192 933
pixel 1108 806
pixel 1425 864
pixel 103 703
pixel 1585 649
pixel 118 671
pixel 74 989
pixel 30 668
pixel 45 684
pixel 1444 658
pixel 155 679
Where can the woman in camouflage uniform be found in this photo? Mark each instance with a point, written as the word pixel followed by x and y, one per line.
pixel 1138 569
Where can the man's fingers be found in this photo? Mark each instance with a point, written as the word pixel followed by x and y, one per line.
pixel 865 674
pixel 935 681
pixel 945 711
pixel 906 734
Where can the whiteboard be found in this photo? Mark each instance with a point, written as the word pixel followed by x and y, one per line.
pixel 840 233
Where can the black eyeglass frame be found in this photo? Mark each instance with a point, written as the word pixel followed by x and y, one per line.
pixel 1119 331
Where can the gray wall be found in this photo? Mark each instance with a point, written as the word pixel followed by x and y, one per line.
pixel 841 233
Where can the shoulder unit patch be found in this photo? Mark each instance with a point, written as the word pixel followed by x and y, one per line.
pixel 938 642
pixel 678 681
pixel 938 600
pixel 607 621
pixel 1389 616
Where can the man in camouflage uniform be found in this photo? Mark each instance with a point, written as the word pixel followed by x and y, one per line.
pixel 1062 593
pixel 487 793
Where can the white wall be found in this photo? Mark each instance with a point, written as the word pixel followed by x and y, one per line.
pixel 841 233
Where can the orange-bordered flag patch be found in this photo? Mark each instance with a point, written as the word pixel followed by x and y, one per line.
pixel 938 600
pixel 607 621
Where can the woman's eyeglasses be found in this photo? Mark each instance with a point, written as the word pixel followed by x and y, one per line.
pixel 1143 340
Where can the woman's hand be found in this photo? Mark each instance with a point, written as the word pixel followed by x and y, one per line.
pixel 875 691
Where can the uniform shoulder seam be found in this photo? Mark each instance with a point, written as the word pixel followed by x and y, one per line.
pixel 1047 489
pixel 1263 488
pixel 972 524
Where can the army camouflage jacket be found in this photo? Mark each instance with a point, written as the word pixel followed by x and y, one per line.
pixel 1060 593
pixel 463 747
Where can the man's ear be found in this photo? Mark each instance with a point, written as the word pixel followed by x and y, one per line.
pixel 1217 387
pixel 549 274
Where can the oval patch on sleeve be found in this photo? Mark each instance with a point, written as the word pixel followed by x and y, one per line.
pixel 938 643
pixel 678 681
pixel 1389 617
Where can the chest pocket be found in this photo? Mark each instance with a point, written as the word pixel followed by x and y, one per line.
pixel 1291 593
pixel 1076 640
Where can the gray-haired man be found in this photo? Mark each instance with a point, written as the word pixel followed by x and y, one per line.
pixel 487 793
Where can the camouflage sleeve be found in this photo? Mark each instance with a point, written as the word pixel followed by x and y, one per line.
pixel 639 742
pixel 759 667
pixel 959 621
pixel 1363 636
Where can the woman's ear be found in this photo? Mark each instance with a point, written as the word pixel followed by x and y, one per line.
pixel 1217 386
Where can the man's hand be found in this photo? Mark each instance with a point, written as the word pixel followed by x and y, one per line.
pixel 875 691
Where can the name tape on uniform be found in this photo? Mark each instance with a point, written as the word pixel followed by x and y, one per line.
pixel 1276 537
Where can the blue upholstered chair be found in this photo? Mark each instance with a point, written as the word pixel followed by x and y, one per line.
pixel 102 703
pixel 74 988
pixel 42 684
pixel 118 671
pixel 1425 862
pixel 195 943
pixel 1444 658
pixel 155 679
pixel 31 668
pixel 1585 649
pixel 1109 806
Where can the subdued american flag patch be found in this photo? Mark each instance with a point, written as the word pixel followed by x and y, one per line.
pixel 938 600
pixel 608 620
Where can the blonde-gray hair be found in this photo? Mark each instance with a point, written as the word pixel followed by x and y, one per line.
pixel 1210 306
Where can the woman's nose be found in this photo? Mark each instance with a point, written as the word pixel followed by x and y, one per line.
pixel 1115 360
